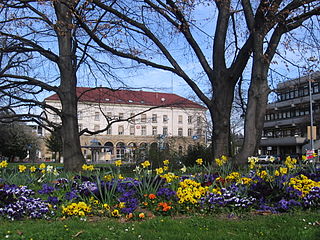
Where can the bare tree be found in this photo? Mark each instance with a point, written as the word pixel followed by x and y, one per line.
pixel 162 34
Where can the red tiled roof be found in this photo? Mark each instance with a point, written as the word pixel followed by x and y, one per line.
pixel 104 95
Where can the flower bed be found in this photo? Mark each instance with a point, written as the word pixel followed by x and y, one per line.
pixel 41 191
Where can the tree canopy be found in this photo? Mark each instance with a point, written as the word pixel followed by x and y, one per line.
pixel 208 44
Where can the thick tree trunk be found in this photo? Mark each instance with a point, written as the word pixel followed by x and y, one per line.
pixel 220 115
pixel 73 158
pixel 256 108
pixel 257 102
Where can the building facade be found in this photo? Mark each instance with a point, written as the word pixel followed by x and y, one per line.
pixel 141 121
pixel 287 123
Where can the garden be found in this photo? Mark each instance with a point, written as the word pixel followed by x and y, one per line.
pixel 118 198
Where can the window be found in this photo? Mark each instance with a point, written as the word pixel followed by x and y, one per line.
pixel 143 130
pixel 180 119
pixel 132 130
pixel 165 118
pixel 189 132
pixel 120 130
pixel 189 119
pixel 132 118
pixel 154 131
pixel 165 131
pixel 180 132
pixel 199 131
pixel 315 87
pixel 143 118
pixel 109 131
pixel 96 116
pixel 154 118
pixel 39 130
pixel 80 127
pixel 109 115
pixel 198 120
pixel 96 127
pixel 80 115
pixel 120 116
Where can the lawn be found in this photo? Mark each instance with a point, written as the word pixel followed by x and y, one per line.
pixel 298 225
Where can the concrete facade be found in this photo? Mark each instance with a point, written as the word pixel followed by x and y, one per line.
pixel 287 119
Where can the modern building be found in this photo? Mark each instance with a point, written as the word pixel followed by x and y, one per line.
pixel 157 120
pixel 287 121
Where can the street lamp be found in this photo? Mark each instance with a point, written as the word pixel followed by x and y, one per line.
pixel 311 59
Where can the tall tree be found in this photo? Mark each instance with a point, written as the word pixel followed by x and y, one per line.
pixel 42 35
pixel 160 34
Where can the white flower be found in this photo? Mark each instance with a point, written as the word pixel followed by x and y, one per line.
pixel 184 169
pixel 49 168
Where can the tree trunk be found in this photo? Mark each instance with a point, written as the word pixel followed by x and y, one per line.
pixel 220 115
pixel 73 158
pixel 256 108
pixel 257 102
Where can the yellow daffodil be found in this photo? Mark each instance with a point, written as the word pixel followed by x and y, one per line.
pixel 166 162
pixel 145 164
pixel 159 171
pixel 118 163
pixel 283 171
pixel 33 169
pixel 22 168
pixel 86 167
pixel 42 166
pixel 199 161
pixel 3 164
pixel 108 177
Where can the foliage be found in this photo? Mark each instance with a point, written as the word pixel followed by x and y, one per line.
pixel 54 142
pixel 196 152
pixel 41 191
pixel 16 140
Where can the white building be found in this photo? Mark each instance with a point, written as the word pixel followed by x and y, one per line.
pixel 162 120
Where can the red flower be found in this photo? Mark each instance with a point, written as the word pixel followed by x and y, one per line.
pixel 152 196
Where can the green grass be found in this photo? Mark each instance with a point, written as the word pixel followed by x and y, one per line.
pixel 292 226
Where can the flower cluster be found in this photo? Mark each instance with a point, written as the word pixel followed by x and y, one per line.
pixel 16 202
pixel 290 162
pixel 228 197
pixel 169 176
pixel 252 162
pixel 86 167
pixel 303 184
pixel 76 209
pixel 191 191
pixel 163 207
pixel 233 177
pixel 221 161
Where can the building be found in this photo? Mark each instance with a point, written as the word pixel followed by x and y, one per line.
pixel 287 119
pixel 158 120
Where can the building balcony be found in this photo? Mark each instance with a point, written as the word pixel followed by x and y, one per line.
pixel 283 141
pixel 287 121
pixel 292 102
